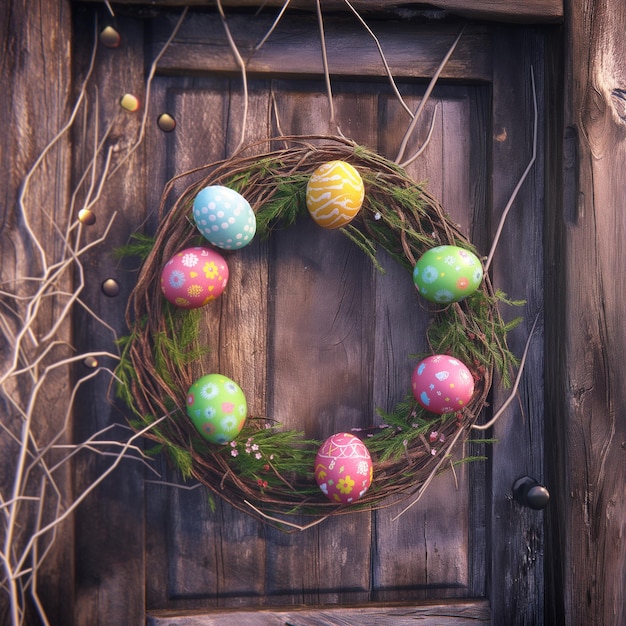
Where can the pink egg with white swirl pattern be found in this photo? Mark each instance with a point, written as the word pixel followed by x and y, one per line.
pixel 193 277
pixel 442 384
pixel 343 468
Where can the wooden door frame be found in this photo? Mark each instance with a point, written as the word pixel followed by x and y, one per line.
pixel 584 570
pixel 512 534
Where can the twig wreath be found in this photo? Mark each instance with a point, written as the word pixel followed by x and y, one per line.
pixel 269 472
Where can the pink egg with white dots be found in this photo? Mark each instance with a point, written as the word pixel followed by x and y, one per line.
pixel 343 468
pixel 193 277
pixel 442 384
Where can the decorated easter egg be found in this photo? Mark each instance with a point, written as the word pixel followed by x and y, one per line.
pixel 224 217
pixel 193 277
pixel 447 274
pixel 442 384
pixel 343 468
pixel 217 407
pixel 334 194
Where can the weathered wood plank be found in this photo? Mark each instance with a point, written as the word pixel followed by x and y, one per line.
pixel 243 333
pixel 500 10
pixel 322 311
pixel 202 46
pixel 303 565
pixel 230 568
pixel 322 305
pixel 587 331
pixel 435 614
pixel 34 100
pixel 321 324
pixel 433 549
pixel 517 533
pixel 480 190
pixel 561 171
pixel 505 10
pixel 109 565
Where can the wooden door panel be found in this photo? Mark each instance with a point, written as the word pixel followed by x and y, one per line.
pixel 451 613
pixel 308 316
pixel 202 554
pixel 321 312
pixel 414 50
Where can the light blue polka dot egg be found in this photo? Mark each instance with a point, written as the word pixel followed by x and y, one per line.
pixel 224 217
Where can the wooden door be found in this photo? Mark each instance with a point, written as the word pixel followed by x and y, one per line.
pixel 307 296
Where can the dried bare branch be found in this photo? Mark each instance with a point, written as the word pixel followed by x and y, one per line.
pixel 388 71
pixel 36 349
pixel 515 387
pixel 329 90
pixel 429 89
pixel 242 69
pixel 273 27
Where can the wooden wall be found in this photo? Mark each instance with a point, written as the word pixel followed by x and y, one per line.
pixel 586 333
pixel 586 328
pixel 35 89
pixel 526 11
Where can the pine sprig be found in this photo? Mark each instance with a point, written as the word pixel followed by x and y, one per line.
pixel 284 206
pixel 140 245
pixel 266 465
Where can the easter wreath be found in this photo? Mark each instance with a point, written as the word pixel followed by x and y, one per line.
pixel 274 473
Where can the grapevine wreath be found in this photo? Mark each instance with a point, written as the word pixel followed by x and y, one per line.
pixel 268 471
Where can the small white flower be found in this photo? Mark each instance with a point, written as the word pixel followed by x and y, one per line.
pixel 209 391
pixel 229 422
pixel 190 260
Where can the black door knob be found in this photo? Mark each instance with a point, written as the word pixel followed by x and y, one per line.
pixel 529 493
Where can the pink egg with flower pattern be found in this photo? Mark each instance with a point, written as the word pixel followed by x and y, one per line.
pixel 442 384
pixel 343 468
pixel 193 277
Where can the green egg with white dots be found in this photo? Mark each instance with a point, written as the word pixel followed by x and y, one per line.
pixel 217 407
pixel 447 274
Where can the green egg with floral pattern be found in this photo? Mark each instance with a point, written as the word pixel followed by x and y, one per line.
pixel 447 274
pixel 217 407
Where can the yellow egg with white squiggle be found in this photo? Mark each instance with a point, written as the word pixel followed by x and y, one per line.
pixel 334 194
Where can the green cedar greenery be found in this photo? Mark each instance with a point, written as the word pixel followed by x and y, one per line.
pixel 266 464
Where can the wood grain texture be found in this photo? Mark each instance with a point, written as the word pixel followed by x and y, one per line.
pixel 501 10
pixel 202 46
pixel 35 80
pixel 323 296
pixel 430 614
pixel 110 525
pixel 229 571
pixel 445 168
pixel 587 397
pixel 517 536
